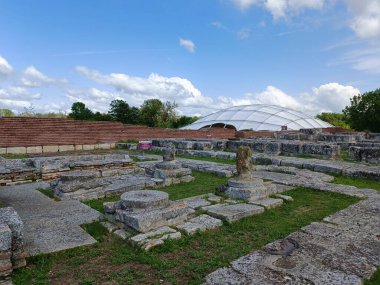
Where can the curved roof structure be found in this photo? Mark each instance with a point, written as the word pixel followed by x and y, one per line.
pixel 258 117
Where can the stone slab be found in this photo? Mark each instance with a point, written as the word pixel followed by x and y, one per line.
pixel 200 224
pixel 50 148
pixel 3 150
pixel 69 147
pixel 154 238
pixel 34 149
pixel 49 226
pixel 78 147
pixel 232 213
pixel 16 150
pixel 196 203
pixel 268 203
pixel 88 147
pixel 285 197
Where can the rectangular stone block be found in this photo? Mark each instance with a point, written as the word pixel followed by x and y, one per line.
pixel 78 147
pixel 5 238
pixel 16 150
pixel 3 150
pixel 34 149
pixel 68 147
pixel 103 146
pixel 50 148
pixel 88 147
pixel 113 145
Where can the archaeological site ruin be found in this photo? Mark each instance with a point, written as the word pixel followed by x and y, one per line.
pixel 248 207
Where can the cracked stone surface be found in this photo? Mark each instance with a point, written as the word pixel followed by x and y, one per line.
pixel 200 224
pixel 343 249
pixel 49 226
pixel 154 238
pixel 234 212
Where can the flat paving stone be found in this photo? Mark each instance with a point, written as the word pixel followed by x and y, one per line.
pixel 195 203
pixel 154 238
pixel 200 224
pixel 49 226
pixel 235 212
pixel 268 203
pixel 285 197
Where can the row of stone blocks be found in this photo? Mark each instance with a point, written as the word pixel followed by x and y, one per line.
pixel 321 150
pixel 12 254
pixel 365 153
pixel 30 169
pixel 54 148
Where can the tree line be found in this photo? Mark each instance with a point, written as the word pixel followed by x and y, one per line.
pixel 152 113
pixel 363 113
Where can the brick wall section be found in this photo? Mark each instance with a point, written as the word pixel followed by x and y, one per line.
pixel 26 131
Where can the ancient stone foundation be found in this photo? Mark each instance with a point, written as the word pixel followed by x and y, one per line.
pixel 12 254
pixel 13 171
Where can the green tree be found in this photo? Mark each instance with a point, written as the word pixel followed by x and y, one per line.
pixel 79 111
pixel 121 111
pixel 101 117
pixel 184 121
pixel 364 112
pixel 150 112
pixel 335 119
pixel 6 113
pixel 154 113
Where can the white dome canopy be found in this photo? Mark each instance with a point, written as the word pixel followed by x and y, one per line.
pixel 258 117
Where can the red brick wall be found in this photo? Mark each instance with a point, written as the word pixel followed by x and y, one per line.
pixel 26 131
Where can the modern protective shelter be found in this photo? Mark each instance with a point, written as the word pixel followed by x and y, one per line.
pixel 258 117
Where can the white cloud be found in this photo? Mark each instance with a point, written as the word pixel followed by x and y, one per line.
pixel 280 8
pixel 271 95
pixel 330 97
pixel 365 59
pixel 135 90
pixel 366 21
pixel 187 44
pixel 5 67
pixel 244 33
pixel 32 77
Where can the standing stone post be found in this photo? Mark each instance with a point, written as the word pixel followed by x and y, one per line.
pixel 244 165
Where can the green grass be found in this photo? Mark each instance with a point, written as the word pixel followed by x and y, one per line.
pixel 184 261
pixel 15 156
pixel 357 182
pixel 48 192
pixel 375 280
pixel 211 159
pixel 203 183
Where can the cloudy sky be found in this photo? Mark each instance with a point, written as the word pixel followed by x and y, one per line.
pixel 309 55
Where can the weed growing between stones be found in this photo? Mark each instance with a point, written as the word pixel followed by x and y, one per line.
pixel 357 182
pixel 184 261
pixel 48 192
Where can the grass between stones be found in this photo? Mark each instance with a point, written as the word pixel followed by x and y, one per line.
pixel 184 261
pixel 357 182
pixel 48 192
pixel 203 183
pixel 15 156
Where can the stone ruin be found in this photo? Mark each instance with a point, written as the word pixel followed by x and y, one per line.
pixel 12 254
pixel 169 170
pixel 245 186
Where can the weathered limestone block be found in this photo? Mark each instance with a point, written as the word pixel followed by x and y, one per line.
pixel 268 203
pixel 16 150
pixel 244 162
pixel 50 148
pixel 200 224
pixel 146 210
pixel 88 147
pixel 366 154
pixel 232 213
pixel 3 150
pixel 34 149
pixel 154 238
pixel 103 146
pixel 69 147
pixel 78 147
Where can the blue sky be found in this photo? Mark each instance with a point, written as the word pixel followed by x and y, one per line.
pixel 310 55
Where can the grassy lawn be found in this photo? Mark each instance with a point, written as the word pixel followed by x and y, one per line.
pixel 203 183
pixel 357 182
pixel 184 261
pixel 375 280
pixel 15 156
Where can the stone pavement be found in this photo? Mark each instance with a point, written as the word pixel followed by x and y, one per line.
pixel 49 226
pixel 342 250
